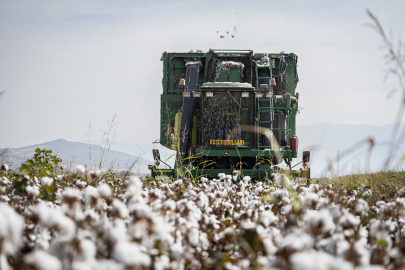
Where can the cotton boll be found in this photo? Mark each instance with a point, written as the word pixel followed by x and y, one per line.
pixel 267 218
pixel 104 190
pixel 90 194
pixel 202 200
pixel 246 180
pixel 361 206
pixel 204 180
pixel 61 223
pixel 87 250
pixel 4 181
pixel 60 177
pixel 134 186
pixel 311 200
pixel 177 250
pixel 221 176
pixel 135 181
pixel 71 194
pixel 120 209
pixel 81 184
pixel 204 242
pixel 32 190
pixel 140 210
pixel 4 262
pixel 79 169
pixel 319 222
pixel 130 254
pixel 42 260
pixel 348 221
pixel 11 227
pixel 46 181
pixel 162 262
pixel 318 261
pixel 259 191
pixel 4 167
pixel 170 205
pixel 295 241
pixel 193 236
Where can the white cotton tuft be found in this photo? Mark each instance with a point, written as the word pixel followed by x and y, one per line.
pixel 319 222
pixel 267 218
pixel 42 260
pixel 87 250
pixel 11 227
pixel 80 169
pixel 46 181
pixel 71 193
pixel 104 190
pixel 32 190
pixel 140 210
pixel 120 209
pixel 4 167
pixel 90 193
pixel 131 255
pixel 221 176
pixel 193 236
pixel 246 180
pixel 134 186
pixel 60 177
pixel 54 219
pixel 80 184
pixel 318 261
pixel 361 206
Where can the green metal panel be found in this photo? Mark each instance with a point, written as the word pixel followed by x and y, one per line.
pixel 178 62
pixel 234 75
pixel 223 77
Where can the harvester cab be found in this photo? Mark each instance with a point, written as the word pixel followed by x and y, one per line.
pixel 229 110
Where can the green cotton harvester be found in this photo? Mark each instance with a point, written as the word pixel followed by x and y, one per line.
pixel 229 111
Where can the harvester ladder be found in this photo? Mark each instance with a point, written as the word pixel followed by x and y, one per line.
pixel 264 105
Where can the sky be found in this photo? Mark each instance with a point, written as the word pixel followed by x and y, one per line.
pixel 66 64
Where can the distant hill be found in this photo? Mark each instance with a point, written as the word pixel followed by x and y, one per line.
pixel 74 153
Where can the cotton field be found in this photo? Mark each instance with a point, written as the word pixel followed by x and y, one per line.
pixel 91 220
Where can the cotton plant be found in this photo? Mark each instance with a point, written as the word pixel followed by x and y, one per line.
pixel 100 221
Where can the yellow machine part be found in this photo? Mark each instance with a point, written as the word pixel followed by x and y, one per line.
pixel 177 123
pixel 194 132
pixel 176 135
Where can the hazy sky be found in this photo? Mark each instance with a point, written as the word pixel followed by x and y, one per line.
pixel 66 63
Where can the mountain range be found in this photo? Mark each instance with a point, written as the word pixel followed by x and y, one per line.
pixel 75 153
